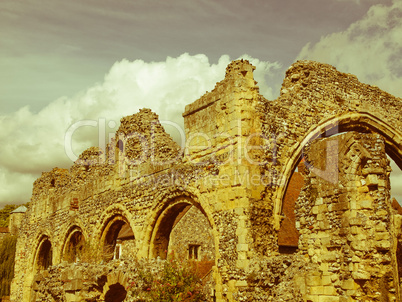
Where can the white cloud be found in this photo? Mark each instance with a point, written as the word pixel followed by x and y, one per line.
pixel 371 48
pixel 34 142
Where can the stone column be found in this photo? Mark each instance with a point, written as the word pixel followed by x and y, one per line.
pixel 346 220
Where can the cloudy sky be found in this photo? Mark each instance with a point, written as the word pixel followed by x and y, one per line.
pixel 63 62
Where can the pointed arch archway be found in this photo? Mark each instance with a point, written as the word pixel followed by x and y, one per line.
pixel 165 216
pixel 44 254
pixel 73 244
pixel 350 121
pixel 115 228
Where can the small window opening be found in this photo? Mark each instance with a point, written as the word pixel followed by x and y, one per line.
pixel 117 249
pixel 120 145
pixel 193 251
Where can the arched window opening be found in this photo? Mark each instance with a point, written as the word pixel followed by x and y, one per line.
pixel 116 293
pixel 120 145
pixel 44 256
pixel 288 236
pixel 74 246
pixel 118 240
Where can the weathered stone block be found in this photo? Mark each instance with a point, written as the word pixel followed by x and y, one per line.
pixel 330 290
pixel 328 299
pixel 361 275
pixel 372 180
pixel 349 284
pixel 317 290
pixel 314 280
pixel 382 236
pixel 383 244
pixel 366 204
pixel 356 221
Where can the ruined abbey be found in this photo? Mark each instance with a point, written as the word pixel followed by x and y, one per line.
pixel 283 200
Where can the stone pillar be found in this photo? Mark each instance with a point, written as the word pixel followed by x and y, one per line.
pixel 346 221
pixel 223 131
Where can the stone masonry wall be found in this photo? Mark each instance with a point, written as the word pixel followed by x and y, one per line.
pixel 192 229
pixel 344 219
pixel 241 151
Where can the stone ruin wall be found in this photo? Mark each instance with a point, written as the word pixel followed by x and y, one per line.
pixel 192 229
pixel 240 155
pixel 349 226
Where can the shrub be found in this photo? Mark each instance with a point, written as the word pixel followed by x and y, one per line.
pixel 89 252
pixel 178 281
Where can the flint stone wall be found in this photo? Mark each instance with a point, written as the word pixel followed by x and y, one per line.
pixel 240 154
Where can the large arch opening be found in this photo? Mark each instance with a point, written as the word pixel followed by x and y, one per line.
pixel 288 235
pixel 44 256
pixel 74 245
pixel 289 188
pixel 362 122
pixel 182 228
pixel 118 239
pixel 392 144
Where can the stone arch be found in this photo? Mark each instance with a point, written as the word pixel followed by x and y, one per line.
pixel 351 121
pixel 73 243
pixel 114 209
pixel 44 254
pixel 115 221
pixel 164 214
pixel 115 288
pixel 75 223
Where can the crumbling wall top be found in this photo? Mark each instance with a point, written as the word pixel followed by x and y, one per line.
pixel 90 164
pixel 141 122
pixel 145 137
pixel 239 73
pixel 91 156
pixel 239 68
pixel 324 85
pixel 57 179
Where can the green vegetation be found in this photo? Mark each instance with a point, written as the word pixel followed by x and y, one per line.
pixel 7 255
pixel 5 213
pixel 178 281
pixel 88 252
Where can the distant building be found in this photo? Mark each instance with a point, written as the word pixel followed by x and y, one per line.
pixel 16 218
